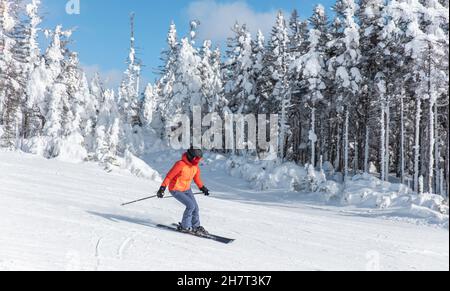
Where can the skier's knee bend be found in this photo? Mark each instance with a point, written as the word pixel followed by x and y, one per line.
pixel 191 208
pixel 196 209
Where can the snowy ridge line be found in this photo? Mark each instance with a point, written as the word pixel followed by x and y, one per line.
pixel 130 163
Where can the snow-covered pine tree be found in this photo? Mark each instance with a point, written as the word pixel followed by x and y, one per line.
pixel 107 130
pixel 7 23
pixel 187 84
pixel 62 71
pixel 212 88
pixel 149 105
pixel 129 88
pixel 165 83
pixel 400 80
pixel 54 54
pixel 25 57
pixel 298 35
pixel 371 22
pixel 32 11
pixel 434 53
pixel 443 107
pixel 314 70
pixel 218 101
pixel 69 99
pixel 345 65
pixel 97 91
pixel 128 100
pixel 15 74
pixel 2 61
pixel 333 112
pixel 238 79
pixel 180 86
pixel 427 50
pixel 276 63
pixel 258 56
pixel 298 46
pixel 390 43
pixel 393 38
pixel 36 79
pixel 79 126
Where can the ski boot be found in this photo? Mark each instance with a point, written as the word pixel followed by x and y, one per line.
pixel 180 228
pixel 200 231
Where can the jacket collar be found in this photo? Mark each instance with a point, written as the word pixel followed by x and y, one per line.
pixel 186 160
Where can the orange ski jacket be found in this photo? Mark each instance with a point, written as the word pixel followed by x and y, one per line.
pixel 181 175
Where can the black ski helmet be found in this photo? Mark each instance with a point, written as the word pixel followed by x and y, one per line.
pixel 194 153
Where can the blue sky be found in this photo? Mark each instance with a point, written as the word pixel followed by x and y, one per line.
pixel 102 27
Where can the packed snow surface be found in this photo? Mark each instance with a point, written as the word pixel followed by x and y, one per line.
pixel 64 216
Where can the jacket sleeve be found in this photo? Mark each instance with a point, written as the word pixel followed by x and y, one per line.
pixel 198 179
pixel 172 174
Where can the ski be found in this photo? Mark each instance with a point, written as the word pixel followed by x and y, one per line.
pixel 213 237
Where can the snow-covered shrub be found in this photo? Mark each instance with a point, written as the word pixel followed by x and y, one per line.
pixel 309 182
pixel 266 175
pixel 138 167
pixel 328 169
pixel 364 190
pixel 35 145
pixel 432 208
pixel 368 191
pixel 431 201
pixel 255 173
pixel 71 149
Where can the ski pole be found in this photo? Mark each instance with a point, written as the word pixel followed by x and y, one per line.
pixel 151 197
pixel 139 200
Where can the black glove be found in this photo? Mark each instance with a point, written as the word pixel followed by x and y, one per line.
pixel 161 191
pixel 205 191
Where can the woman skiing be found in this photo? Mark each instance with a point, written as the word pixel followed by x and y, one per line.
pixel 179 180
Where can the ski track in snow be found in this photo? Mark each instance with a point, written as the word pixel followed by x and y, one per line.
pixel 97 254
pixel 127 243
pixel 60 216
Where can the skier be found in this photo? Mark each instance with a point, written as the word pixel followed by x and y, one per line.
pixel 179 181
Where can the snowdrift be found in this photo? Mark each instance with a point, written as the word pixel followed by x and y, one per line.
pixel 364 191
pixel 69 150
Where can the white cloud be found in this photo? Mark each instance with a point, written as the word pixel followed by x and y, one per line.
pixel 217 19
pixel 111 78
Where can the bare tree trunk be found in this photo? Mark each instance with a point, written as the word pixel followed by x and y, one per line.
pixel 383 143
pixel 346 144
pixel 447 158
pixel 437 152
pixel 356 156
pixel 417 143
pixel 430 129
pixel 388 133
pixel 322 141
pixel 402 139
pixel 313 131
pixel 366 150
pixel 337 162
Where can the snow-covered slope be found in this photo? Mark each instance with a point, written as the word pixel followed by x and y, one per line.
pixel 58 216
